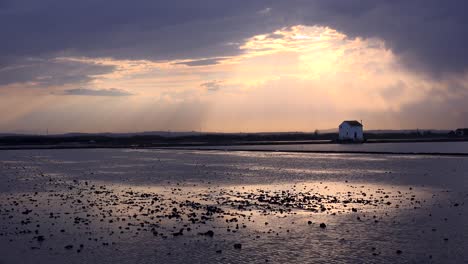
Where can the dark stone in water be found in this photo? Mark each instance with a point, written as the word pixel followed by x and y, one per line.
pixel 323 225
pixel 68 246
pixel 309 222
pixel 180 233
pixel 207 233
pixel 238 246
pixel 399 252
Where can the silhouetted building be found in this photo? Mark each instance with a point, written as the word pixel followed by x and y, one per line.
pixel 351 131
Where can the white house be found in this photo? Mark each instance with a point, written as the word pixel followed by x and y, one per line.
pixel 351 131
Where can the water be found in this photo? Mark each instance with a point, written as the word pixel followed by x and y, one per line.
pixel 413 147
pixel 416 204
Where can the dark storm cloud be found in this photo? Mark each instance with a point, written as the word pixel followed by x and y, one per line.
pixel 97 92
pixel 428 35
pixel 50 72
pixel 119 28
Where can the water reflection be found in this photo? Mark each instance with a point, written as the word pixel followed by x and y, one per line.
pixel 162 205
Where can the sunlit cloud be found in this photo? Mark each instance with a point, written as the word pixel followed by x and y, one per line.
pixel 294 78
pixel 265 11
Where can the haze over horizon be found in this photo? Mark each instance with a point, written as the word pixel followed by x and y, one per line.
pixel 219 66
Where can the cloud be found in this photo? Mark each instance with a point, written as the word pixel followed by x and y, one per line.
pixel 394 91
pixel 341 47
pixel 143 30
pixel 265 11
pixel 212 85
pixel 428 35
pixel 203 62
pixel 51 72
pixel 100 114
pixel 97 92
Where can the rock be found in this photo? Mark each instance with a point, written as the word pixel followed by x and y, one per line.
pixel 207 233
pixel 26 212
pixel 68 246
pixel 180 233
pixel 238 246
pixel 399 252
pixel 309 222
pixel 323 225
pixel 219 251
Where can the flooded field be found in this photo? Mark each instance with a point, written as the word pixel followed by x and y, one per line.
pixel 401 147
pixel 178 206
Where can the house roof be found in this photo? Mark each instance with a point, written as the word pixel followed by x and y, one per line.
pixel 352 123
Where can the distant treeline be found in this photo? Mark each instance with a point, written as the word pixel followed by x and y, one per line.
pixel 153 139
pixel 214 139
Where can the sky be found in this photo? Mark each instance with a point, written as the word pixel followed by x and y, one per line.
pixel 232 66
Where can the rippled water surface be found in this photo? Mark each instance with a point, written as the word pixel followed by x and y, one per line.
pixel 413 147
pixel 179 206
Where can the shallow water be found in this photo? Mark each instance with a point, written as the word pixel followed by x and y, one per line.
pixel 413 147
pixel 416 204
